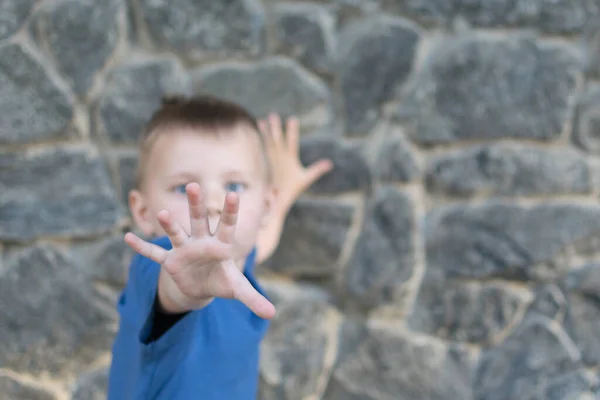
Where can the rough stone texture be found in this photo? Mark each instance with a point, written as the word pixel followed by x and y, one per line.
pixel 470 312
pixel 312 240
pixel 451 254
pixel 91 386
pixel 276 84
pixel 13 14
pixel 56 192
pixel 295 355
pixel 14 390
pixel 383 257
pixel 583 295
pixel 131 94
pixel 32 107
pixel 470 88
pixel 105 261
pixel 499 239
pixel 510 170
pixel 200 28
pixel 586 129
pixel 537 361
pixel 383 363
pixel 305 32
pixel 395 162
pixel 127 171
pixel 374 57
pixel 592 47
pixel 57 327
pixel 350 171
pixel 550 16
pixel 80 37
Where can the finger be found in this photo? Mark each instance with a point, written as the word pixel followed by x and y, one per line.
pixel 149 250
pixel 264 129
pixel 267 137
pixel 256 302
pixel 226 228
pixel 275 124
pixel 293 134
pixel 172 228
pixel 317 170
pixel 198 214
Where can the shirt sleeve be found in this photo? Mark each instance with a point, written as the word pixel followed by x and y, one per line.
pixel 158 357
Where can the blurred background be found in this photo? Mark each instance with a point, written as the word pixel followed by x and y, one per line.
pixel 453 253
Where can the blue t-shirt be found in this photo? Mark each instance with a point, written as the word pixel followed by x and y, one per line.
pixel 209 354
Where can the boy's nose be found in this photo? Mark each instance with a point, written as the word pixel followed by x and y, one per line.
pixel 214 201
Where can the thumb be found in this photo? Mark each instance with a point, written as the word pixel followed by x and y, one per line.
pixel 256 302
pixel 317 170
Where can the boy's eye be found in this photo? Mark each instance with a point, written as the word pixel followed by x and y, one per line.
pixel 234 187
pixel 180 189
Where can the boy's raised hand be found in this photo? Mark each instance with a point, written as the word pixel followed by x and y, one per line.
pixel 200 266
pixel 290 177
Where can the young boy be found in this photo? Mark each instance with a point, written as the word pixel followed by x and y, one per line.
pixel 212 193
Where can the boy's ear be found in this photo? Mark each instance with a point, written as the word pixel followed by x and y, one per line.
pixel 139 211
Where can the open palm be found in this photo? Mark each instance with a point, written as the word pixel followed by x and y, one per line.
pixel 201 265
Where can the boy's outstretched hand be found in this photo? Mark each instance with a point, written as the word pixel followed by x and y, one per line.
pixel 200 266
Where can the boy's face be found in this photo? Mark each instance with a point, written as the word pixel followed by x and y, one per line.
pixel 229 162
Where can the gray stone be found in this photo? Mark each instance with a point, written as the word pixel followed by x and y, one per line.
pixel 127 174
pixel 573 386
pixel 91 385
pixel 14 390
pixel 57 326
pixel 583 325
pixel 583 295
pixel 282 291
pixel 501 239
pixel 110 262
pixel 470 88
pixel 206 28
pixel 549 301
pixel 396 163
pixel 32 107
pixel 81 36
pixel 425 11
pixel 275 84
pixel 381 363
pixel 313 236
pixel 550 16
pixel 350 171
pixel 295 352
pixel 57 192
pixel 591 42
pixel 375 57
pixel 534 362
pixel 564 17
pixel 383 258
pixel 305 32
pixel 509 170
pixel 132 93
pixel 586 125
pixel 585 280
pixel 466 311
pixel 13 14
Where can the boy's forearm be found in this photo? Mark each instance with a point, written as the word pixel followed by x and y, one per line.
pixel 170 298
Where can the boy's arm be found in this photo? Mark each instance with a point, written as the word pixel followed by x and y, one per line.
pixel 290 178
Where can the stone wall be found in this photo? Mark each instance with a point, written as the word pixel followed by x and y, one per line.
pixel 438 260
